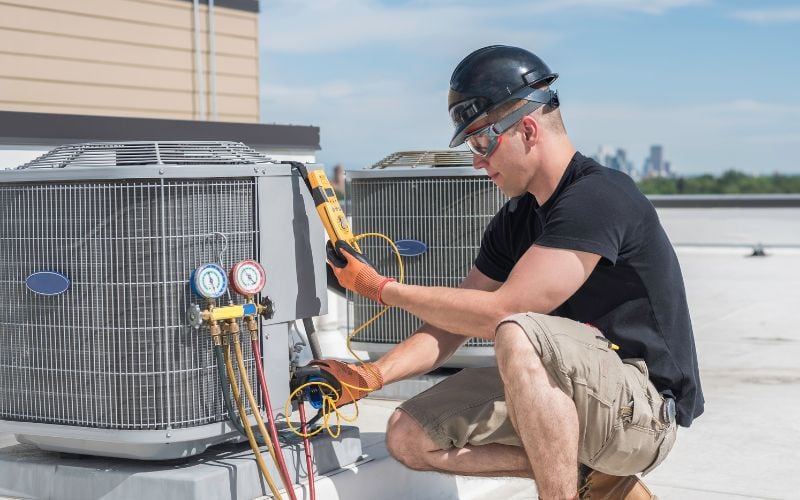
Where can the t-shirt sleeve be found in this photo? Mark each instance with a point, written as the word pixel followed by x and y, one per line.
pixel 589 217
pixel 494 258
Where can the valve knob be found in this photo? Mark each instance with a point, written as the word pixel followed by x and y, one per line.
pixel 268 308
pixel 193 316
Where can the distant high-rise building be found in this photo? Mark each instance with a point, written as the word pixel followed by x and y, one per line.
pixel 654 164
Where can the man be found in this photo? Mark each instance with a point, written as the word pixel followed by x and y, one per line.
pixel 580 290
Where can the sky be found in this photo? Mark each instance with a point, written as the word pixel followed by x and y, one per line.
pixel 715 82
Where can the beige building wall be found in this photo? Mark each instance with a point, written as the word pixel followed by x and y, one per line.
pixel 132 58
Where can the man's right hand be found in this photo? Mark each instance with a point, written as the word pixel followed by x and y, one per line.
pixel 355 272
pixel 351 381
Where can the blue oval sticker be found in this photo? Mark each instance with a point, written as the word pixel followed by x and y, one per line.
pixel 411 248
pixel 47 283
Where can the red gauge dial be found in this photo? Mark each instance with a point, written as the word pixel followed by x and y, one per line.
pixel 247 277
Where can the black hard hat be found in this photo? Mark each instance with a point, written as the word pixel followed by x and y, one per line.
pixel 492 76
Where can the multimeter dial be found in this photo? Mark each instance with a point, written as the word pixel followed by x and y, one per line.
pixel 209 281
pixel 248 277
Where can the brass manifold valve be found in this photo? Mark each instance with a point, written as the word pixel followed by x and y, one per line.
pixel 197 316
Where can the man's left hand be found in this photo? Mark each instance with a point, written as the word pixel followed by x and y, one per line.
pixel 354 272
pixel 352 382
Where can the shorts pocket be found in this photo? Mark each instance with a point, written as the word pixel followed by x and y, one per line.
pixel 635 442
pixel 643 407
pixel 591 364
pixel 596 377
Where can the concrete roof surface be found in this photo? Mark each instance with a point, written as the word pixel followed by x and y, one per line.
pixel 745 316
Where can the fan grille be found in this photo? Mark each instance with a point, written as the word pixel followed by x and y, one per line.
pixel 109 154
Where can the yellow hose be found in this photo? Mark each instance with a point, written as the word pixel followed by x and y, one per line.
pixel 250 397
pixel 250 437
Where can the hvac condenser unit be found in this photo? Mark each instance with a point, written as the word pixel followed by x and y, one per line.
pixel 435 206
pixel 97 245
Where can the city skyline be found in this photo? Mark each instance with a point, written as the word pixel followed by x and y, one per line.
pixel 710 81
pixel 653 165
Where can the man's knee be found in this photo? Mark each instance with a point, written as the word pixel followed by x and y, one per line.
pixel 513 348
pixel 407 441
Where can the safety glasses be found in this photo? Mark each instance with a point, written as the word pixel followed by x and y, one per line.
pixel 484 141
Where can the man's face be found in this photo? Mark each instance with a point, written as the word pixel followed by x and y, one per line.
pixel 505 165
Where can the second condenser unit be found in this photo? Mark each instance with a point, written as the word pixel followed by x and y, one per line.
pixel 435 206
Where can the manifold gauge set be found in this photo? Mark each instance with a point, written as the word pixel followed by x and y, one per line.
pixel 210 281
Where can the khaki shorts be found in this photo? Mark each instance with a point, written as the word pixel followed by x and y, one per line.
pixel 619 409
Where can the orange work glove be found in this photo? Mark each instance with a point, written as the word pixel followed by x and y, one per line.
pixel 366 378
pixel 354 271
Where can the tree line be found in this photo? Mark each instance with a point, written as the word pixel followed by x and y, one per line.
pixel 730 182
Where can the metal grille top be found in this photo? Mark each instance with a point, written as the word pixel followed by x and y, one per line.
pixel 460 158
pixel 104 154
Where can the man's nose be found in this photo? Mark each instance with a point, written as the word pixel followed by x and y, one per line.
pixel 478 162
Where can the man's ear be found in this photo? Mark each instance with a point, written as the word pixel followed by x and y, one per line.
pixel 530 127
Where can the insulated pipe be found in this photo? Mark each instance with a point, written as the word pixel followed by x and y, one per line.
pixel 313 340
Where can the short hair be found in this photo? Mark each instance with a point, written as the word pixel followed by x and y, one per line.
pixel 549 116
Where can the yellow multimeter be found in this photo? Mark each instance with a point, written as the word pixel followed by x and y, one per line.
pixel 328 208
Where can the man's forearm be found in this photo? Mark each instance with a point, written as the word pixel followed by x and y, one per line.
pixel 467 312
pixel 421 353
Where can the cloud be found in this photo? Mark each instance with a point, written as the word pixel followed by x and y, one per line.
pixel 773 15
pixel 751 110
pixel 654 7
pixel 777 139
pixel 362 121
pixel 336 25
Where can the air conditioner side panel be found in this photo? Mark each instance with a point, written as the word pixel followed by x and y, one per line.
pixel 292 247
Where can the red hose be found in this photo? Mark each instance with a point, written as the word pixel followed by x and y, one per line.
pixel 307 446
pixel 273 431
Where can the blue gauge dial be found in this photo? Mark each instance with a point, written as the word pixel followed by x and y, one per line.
pixel 209 281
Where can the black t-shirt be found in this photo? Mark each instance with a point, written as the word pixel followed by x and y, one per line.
pixel 635 295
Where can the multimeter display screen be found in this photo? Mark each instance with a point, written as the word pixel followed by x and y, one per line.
pixel 329 193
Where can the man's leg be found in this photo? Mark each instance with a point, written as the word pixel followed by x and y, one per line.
pixel 408 442
pixel 544 416
pixel 470 411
